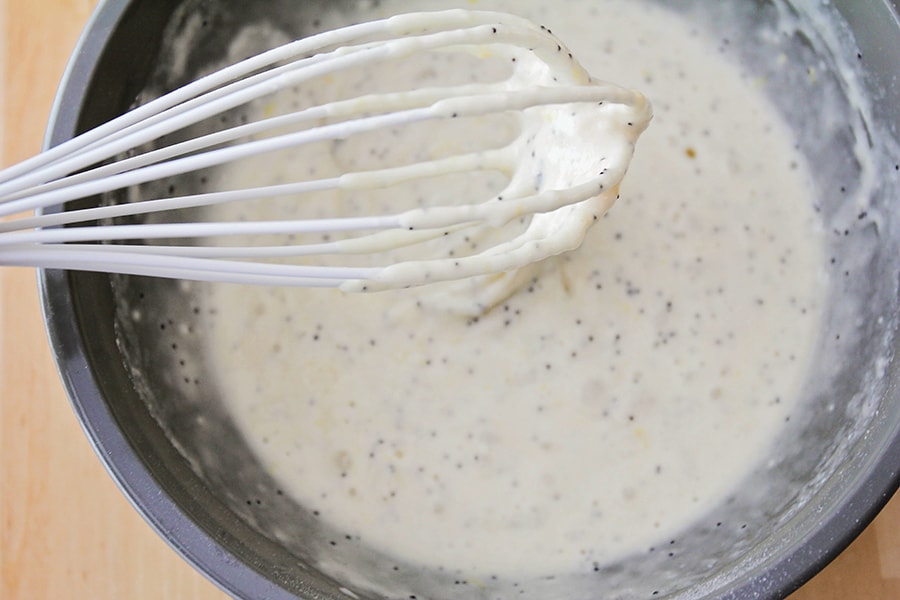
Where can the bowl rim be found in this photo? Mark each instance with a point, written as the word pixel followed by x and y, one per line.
pixel 776 579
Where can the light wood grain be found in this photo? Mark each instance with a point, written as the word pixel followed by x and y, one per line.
pixel 67 531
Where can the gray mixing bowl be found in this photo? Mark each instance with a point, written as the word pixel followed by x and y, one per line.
pixel 181 462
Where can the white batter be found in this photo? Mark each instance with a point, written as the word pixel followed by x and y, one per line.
pixel 605 406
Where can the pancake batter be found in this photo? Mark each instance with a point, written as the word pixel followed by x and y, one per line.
pixel 625 390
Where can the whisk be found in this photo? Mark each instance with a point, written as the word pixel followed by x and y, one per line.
pixel 576 138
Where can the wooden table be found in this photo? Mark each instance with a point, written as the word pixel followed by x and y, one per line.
pixel 67 531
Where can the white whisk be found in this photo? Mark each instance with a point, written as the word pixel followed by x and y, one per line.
pixel 557 175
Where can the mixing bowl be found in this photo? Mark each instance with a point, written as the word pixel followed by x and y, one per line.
pixel 173 450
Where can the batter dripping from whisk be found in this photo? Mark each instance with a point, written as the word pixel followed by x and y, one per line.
pixel 606 406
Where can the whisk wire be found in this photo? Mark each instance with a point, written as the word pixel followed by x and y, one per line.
pixel 482 104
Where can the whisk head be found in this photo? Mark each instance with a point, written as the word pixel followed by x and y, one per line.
pixel 535 148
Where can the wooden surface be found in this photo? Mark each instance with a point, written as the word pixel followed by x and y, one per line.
pixel 67 531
